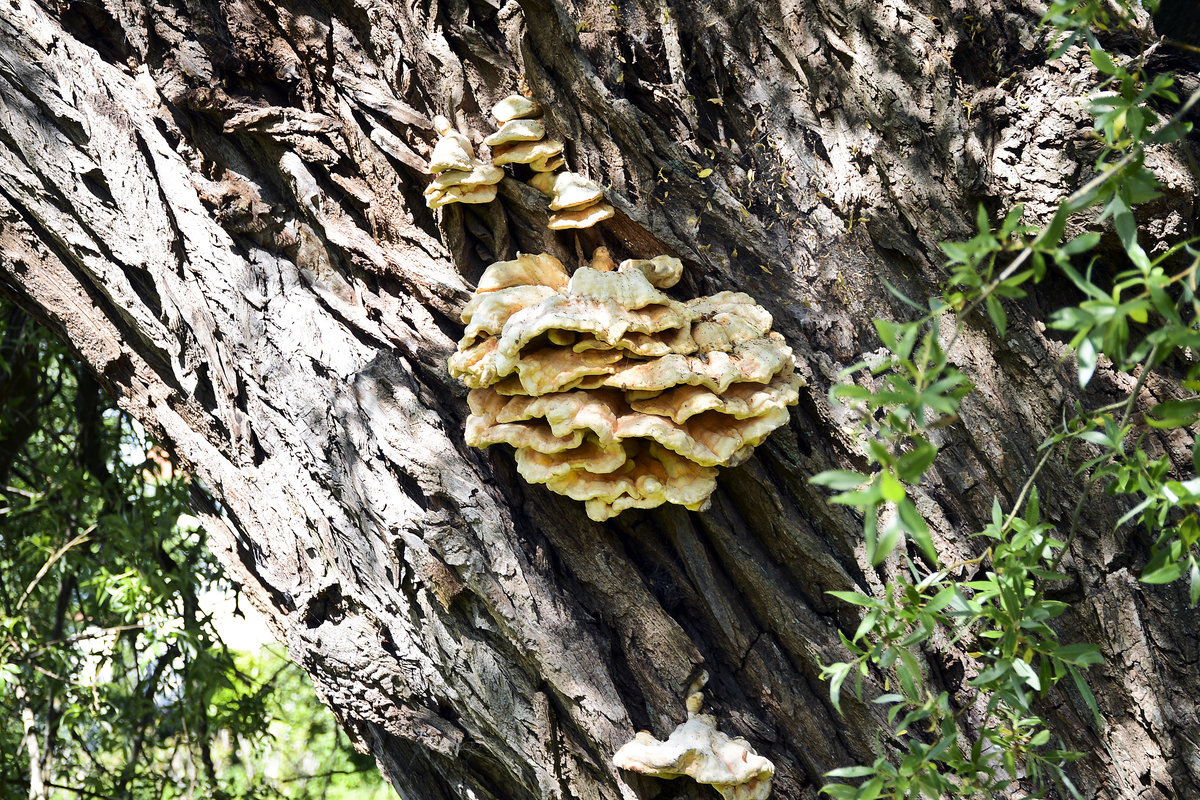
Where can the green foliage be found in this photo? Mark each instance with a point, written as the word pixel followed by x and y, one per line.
pixel 1131 318
pixel 113 679
pixel 304 754
pixel 1078 21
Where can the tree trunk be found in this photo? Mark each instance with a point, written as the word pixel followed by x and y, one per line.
pixel 219 205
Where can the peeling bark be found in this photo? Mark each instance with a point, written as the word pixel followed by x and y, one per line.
pixel 219 206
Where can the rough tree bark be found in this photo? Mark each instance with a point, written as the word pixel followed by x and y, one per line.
pixel 219 205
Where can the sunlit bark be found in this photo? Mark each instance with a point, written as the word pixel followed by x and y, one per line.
pixel 219 206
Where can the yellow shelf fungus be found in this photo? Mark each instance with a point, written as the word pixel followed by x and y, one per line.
pixel 522 136
pixel 697 750
pixel 612 392
pixel 459 177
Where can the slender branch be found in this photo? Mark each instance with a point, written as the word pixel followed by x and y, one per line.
pixel 91 633
pixel 1191 48
pixel 75 790
pixel 62 551
pixel 29 740
pixel 1128 404
pixel 1097 180
pixel 326 774
pixel 1012 515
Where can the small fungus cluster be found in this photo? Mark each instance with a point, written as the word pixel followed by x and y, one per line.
pixel 459 177
pixel 576 201
pixel 612 392
pixel 522 136
pixel 697 750
pixel 521 139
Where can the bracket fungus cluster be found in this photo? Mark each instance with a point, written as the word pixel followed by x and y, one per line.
pixel 576 201
pixel 611 391
pixel 521 138
pixel 459 177
pixel 697 750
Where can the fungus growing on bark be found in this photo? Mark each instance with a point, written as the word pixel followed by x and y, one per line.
pixel 515 106
pixel 581 217
pixel 612 392
pixel 517 130
pixel 576 202
pixel 522 136
pixel 571 190
pixel 697 750
pixel 547 163
pixel 543 152
pixel 459 177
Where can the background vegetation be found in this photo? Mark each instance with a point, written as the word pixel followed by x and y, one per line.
pixel 114 680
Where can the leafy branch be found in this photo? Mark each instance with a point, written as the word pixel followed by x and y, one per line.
pixel 1000 613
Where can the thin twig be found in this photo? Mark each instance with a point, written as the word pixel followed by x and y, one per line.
pixel 62 551
pixel 1129 403
pixel 1096 182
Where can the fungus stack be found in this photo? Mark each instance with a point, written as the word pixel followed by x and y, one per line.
pixel 612 392
pixel 522 137
pixel 696 749
pixel 459 177
pixel 576 201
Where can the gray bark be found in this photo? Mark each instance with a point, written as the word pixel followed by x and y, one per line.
pixel 219 206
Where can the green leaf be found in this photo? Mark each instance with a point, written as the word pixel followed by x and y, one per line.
pixel 1127 230
pixel 908 672
pixel 982 223
pixel 996 314
pixel 1174 414
pixel 871 789
pixel 839 480
pixel 959 252
pixel 856 598
pixel 1081 244
pixel 1032 510
pixel 865 499
pixel 869 621
pixel 897 337
pixel 1103 62
pixel 916 527
pixel 901 296
pixel 942 599
pixel 870 525
pixel 993 673
pixel 919 634
pixel 1193 582
pixel 1086 357
pixel 837 676
pixel 889 538
pixel 850 772
pixel 850 391
pixel 1081 654
pixel 1012 220
pixel 1027 674
pixel 888 698
pixel 840 791
pixel 1163 573
pixel 1088 698
pixel 891 489
pixel 911 466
